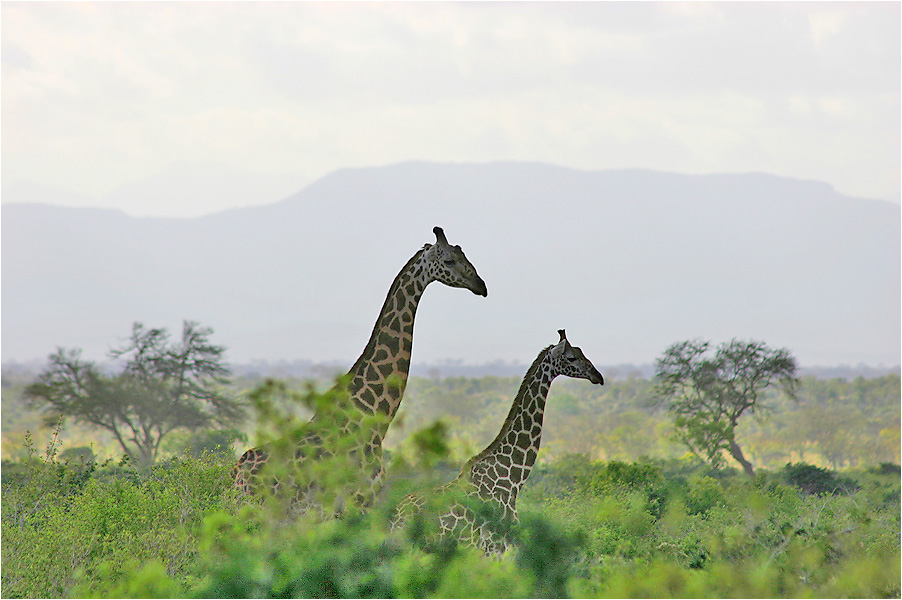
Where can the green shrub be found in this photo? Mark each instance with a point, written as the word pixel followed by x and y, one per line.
pixel 79 455
pixel 568 473
pixel 196 443
pixel 619 477
pixel 887 469
pixel 588 528
pixel 53 541
pixel 815 480
pixel 549 552
pixel 337 559
pixel 631 475
pixel 703 493
pixel 248 556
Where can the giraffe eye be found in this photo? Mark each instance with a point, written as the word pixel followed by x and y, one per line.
pixel 448 261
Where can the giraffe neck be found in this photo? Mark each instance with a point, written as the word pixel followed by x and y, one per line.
pixel 378 378
pixel 517 444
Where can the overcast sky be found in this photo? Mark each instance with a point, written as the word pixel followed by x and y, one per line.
pixel 98 95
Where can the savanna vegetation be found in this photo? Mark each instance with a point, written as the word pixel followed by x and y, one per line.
pixel 616 507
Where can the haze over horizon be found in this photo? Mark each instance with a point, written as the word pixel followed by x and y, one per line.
pixel 188 109
pixel 628 261
pixel 102 101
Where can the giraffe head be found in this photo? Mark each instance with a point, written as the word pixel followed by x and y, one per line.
pixel 570 361
pixel 447 264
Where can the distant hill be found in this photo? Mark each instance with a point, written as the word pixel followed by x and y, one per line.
pixel 184 188
pixel 628 261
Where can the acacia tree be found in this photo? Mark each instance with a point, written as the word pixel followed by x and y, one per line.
pixel 163 386
pixel 707 395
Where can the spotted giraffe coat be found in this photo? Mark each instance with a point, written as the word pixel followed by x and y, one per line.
pixel 496 475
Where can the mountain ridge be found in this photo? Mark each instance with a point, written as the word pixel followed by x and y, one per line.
pixel 826 187
pixel 631 259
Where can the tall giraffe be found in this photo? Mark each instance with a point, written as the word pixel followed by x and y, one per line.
pixel 496 475
pixel 376 382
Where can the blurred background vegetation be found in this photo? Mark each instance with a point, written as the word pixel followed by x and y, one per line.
pixel 834 423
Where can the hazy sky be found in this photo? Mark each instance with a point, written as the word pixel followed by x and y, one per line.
pixel 97 95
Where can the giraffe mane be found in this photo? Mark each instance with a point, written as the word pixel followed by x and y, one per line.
pixel 515 408
pixel 367 351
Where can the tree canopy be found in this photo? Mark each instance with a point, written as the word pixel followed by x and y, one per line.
pixel 162 386
pixel 708 394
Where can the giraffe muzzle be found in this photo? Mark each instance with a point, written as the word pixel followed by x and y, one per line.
pixel 479 288
pixel 596 377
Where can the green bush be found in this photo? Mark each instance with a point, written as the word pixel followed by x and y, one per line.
pixel 588 529
pixel 815 480
pixel 337 559
pixel 703 493
pixel 887 469
pixel 54 541
pixel 631 475
pixel 199 442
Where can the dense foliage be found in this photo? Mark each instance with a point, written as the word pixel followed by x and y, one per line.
pixel 666 527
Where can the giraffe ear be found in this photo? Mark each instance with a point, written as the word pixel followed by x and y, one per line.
pixel 558 349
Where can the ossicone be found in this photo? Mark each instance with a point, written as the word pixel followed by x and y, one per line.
pixel 440 235
pixel 563 335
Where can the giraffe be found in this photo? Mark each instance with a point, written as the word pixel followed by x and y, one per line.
pixel 496 475
pixel 358 420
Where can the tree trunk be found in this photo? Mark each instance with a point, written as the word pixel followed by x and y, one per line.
pixel 736 453
pixel 148 456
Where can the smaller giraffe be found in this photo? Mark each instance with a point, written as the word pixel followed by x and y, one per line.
pixel 496 475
